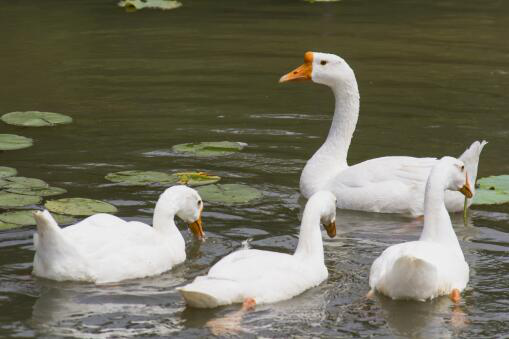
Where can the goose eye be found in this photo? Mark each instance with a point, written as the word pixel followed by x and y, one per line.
pixel 199 202
pixel 462 167
pixel 323 62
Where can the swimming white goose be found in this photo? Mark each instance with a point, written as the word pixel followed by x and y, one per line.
pixel 434 265
pixel 392 184
pixel 252 276
pixel 105 249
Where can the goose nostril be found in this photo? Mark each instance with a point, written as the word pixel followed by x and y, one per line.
pixel 295 72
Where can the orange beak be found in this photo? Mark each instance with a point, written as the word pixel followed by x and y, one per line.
pixel 331 229
pixel 466 190
pixel 197 229
pixel 302 72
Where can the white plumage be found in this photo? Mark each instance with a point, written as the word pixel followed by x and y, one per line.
pixel 104 248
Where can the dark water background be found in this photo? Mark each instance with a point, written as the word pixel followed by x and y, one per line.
pixel 433 78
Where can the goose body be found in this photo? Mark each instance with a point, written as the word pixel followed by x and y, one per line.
pixel 393 184
pixel 434 265
pixel 266 276
pixel 105 249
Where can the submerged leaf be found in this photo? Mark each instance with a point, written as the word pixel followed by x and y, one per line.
pixel 229 193
pixel 26 218
pixel 133 5
pixel 10 142
pixel 24 182
pixel 79 206
pixel 196 178
pixel 135 177
pixel 40 191
pixel 210 149
pixel 492 190
pixel 35 119
pixel 7 172
pixel 8 200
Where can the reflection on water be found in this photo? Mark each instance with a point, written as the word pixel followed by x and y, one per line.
pixel 432 77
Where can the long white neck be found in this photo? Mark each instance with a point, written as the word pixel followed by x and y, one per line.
pixel 437 222
pixel 310 244
pixel 163 219
pixel 331 157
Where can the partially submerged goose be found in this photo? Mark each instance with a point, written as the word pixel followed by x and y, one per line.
pixel 105 249
pixel 393 184
pixel 434 265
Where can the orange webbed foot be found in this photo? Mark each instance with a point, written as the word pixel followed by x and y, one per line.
pixel 455 295
pixel 248 304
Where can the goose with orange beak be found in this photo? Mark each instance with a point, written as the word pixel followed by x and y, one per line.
pixel 105 249
pixel 251 276
pixel 392 184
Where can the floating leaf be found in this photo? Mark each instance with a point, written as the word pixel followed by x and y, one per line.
pixel 3 182
pixel 135 177
pixel 6 226
pixel 35 119
pixel 133 5
pixel 7 172
pixel 26 218
pixel 10 142
pixel 8 200
pixel 492 190
pixel 210 149
pixel 229 193
pixel 196 178
pixel 40 191
pixel 79 206
pixel 24 182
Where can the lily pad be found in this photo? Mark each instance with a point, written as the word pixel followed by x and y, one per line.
pixel 35 119
pixel 210 149
pixel 8 200
pixel 135 177
pixel 40 191
pixel 79 206
pixel 26 218
pixel 229 193
pixel 24 182
pixel 10 142
pixel 3 182
pixel 196 178
pixel 7 172
pixel 492 190
pixel 7 226
pixel 134 5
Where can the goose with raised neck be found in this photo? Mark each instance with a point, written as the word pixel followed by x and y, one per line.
pixel 106 249
pixel 251 276
pixel 434 265
pixel 393 184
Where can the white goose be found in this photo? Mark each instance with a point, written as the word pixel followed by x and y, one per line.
pixel 252 276
pixel 105 249
pixel 434 265
pixel 392 184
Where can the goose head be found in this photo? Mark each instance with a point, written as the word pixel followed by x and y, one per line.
pixel 189 207
pixel 456 176
pixel 325 202
pixel 322 68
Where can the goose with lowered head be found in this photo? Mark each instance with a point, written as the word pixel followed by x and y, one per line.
pixel 393 184
pixel 434 265
pixel 251 276
pixel 105 249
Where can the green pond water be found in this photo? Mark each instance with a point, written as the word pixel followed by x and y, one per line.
pixel 433 78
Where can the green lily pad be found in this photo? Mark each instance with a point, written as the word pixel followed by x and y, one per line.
pixel 26 218
pixel 229 193
pixel 40 191
pixel 492 190
pixel 79 206
pixel 7 226
pixel 3 182
pixel 8 200
pixel 24 182
pixel 7 172
pixel 10 142
pixel 210 149
pixel 196 178
pixel 35 119
pixel 135 177
pixel 133 5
